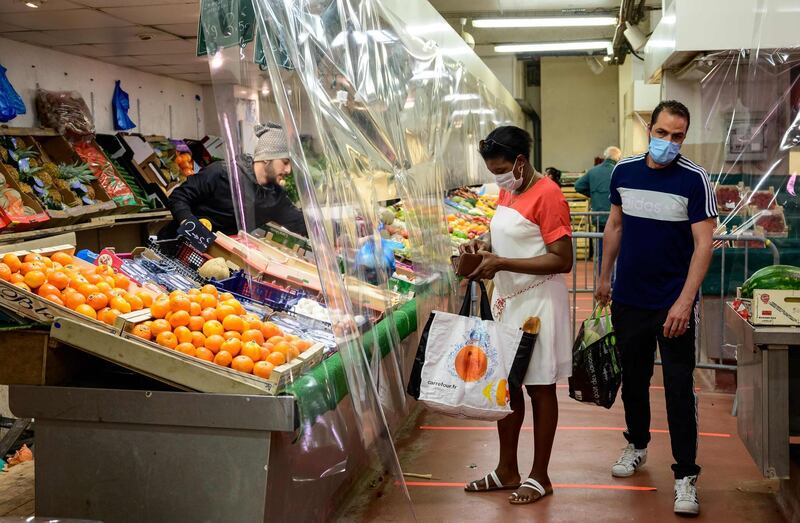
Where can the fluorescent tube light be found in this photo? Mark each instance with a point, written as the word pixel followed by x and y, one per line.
pixel 552 46
pixel 553 21
pixel 461 97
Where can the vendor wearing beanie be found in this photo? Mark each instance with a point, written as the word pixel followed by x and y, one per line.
pixel 208 193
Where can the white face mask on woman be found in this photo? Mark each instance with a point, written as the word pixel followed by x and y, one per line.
pixel 508 181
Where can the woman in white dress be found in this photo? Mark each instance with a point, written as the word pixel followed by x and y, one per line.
pixel 529 250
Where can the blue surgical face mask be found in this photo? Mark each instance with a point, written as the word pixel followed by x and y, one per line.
pixel 663 151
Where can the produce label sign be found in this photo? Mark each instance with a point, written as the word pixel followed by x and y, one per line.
pixel 198 235
pixel 225 23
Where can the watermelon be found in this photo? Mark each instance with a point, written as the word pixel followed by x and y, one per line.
pixel 781 277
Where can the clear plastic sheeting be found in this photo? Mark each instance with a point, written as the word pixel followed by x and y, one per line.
pixel 381 122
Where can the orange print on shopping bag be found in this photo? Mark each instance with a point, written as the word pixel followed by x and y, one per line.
pixel 471 363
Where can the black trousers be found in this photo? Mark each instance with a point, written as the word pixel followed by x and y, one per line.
pixel 638 331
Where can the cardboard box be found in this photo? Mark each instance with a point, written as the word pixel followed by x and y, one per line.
pixel 775 307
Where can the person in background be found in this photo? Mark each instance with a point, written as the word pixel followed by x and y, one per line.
pixel 663 215
pixel 554 174
pixel 595 184
pixel 530 249
pixel 208 194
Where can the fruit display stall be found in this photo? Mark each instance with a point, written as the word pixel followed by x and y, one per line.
pixel 189 346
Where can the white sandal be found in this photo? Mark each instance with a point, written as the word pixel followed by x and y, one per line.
pixel 532 484
pixel 475 485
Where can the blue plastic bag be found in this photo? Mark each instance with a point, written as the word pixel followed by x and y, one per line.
pixel 367 260
pixel 11 104
pixel 121 104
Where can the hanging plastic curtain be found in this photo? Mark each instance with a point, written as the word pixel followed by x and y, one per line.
pixel 121 103
pixel 11 104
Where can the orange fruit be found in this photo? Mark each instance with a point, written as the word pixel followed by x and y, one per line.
pixel 86 310
pixel 209 313
pixel 276 358
pixel 264 351
pixel 196 323
pixel 74 299
pixel 232 346
pixel 253 335
pixel 282 347
pixel 55 299
pixel 293 353
pixel 58 279
pixel 12 260
pixel 97 300
pixel 208 300
pixel 253 323
pixel 146 297
pixel 303 345
pixel 143 331
pixel 198 339
pixel 225 296
pixel 291 337
pixel 204 354
pixel 195 309
pixel 186 348
pixel 159 326
pixel 183 334
pixel 5 272
pixel 179 319
pixel 167 339
pixel 263 369
pixel 22 285
pixel 119 303
pixel 159 308
pixel 179 302
pixel 105 288
pixel 94 279
pixel 224 310
pixel 195 297
pixel 213 327
pixel 17 278
pixel 223 358
pixel 77 281
pixel 252 350
pixel 87 288
pixel 275 340
pixel 134 301
pixel 47 289
pixel 63 258
pixel 229 335
pixel 209 289
pixel 32 257
pixel 242 364
pixel 235 304
pixel 110 317
pixel 214 343
pixel 232 322
pixel 121 281
pixel 193 292
pixel 35 279
pixel 32 266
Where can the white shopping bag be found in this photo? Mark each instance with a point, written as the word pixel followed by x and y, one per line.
pixel 465 365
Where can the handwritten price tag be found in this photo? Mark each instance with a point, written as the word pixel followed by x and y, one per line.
pixel 199 237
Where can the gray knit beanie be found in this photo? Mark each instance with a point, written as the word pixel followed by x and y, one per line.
pixel 271 144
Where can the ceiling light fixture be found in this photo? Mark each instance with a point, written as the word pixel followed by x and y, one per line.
pixel 552 21
pixel 550 47
pixel 35 4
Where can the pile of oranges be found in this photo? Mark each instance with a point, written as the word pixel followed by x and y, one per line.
pixel 215 327
pixel 98 292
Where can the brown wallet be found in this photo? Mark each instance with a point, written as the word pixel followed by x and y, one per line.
pixel 466 263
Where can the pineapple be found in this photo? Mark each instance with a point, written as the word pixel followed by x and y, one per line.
pixel 24 187
pixel 3 154
pixel 76 178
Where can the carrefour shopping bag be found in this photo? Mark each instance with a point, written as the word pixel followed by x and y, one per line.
pixel 465 365
pixel 596 361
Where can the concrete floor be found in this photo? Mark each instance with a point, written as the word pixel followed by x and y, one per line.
pixel 587 443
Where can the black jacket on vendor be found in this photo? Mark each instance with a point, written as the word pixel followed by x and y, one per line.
pixel 207 194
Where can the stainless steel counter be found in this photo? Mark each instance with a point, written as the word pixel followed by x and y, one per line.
pixel 763 392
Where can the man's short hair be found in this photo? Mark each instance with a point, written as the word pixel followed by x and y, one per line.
pixel 612 153
pixel 673 107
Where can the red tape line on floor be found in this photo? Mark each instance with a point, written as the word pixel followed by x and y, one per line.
pixel 556 485
pixel 614 429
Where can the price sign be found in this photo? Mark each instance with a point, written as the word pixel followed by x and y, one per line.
pixel 199 237
pixel 225 23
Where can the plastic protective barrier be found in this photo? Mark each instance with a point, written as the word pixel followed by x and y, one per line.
pixel 380 123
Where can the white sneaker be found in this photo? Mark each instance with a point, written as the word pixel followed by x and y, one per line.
pixel 686 496
pixel 630 460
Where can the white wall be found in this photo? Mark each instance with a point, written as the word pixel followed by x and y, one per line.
pixel 30 66
pixel 579 113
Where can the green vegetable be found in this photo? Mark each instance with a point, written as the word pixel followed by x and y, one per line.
pixel 780 277
pixel 459 234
